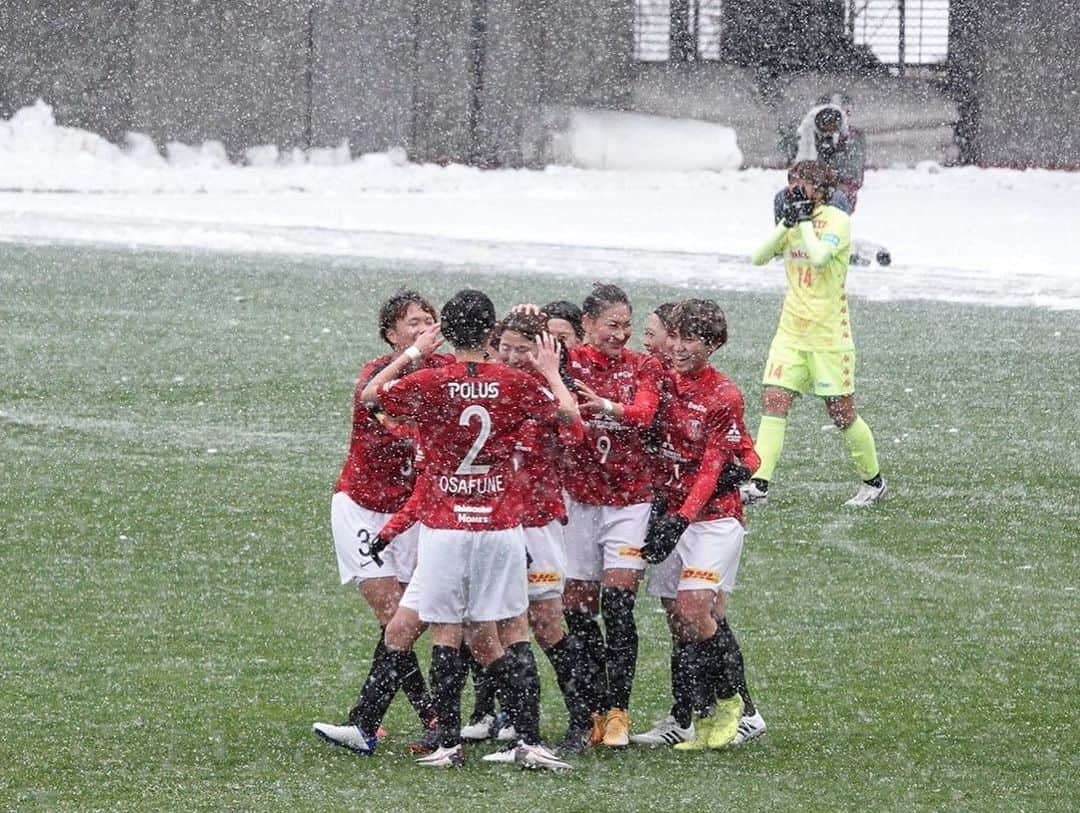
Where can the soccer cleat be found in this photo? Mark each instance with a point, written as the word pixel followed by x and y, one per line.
pixel 479 729
pixel 347 736
pixel 725 722
pixel 444 757
pixel 617 729
pixel 754 492
pixel 867 495
pixel 503 755
pixel 664 732
pixel 504 732
pixel 751 726
pixel 599 721
pixel 537 757
pixel 427 742
pixel 576 741
pixel 702 727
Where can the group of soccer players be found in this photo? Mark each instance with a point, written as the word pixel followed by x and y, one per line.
pixel 526 482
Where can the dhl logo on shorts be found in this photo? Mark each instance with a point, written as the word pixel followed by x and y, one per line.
pixel 697 574
pixel 545 577
pixel 631 552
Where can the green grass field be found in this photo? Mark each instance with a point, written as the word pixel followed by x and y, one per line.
pixel 170 429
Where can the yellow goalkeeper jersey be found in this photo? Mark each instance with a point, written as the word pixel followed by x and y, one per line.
pixel 815 315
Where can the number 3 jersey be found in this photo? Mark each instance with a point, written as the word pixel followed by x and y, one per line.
pixel 609 467
pixel 468 418
pixel 702 429
pixel 379 470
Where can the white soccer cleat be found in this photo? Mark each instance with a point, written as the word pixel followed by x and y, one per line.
pixel 751 726
pixel 537 757
pixel 347 736
pixel 444 758
pixel 507 734
pixel 753 494
pixel 503 755
pixel 867 495
pixel 480 730
pixel 664 732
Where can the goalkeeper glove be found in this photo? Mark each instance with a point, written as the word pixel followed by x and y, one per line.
pixel 799 207
pixel 662 538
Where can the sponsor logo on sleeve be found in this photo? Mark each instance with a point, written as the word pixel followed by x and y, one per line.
pixel 832 239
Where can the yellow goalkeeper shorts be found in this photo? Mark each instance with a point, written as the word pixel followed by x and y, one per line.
pixel 827 374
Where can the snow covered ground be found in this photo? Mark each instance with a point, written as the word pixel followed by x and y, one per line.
pixel 996 237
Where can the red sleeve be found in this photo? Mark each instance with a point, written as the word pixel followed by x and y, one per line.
pixel 403 519
pixel 712 463
pixel 404 396
pixel 646 395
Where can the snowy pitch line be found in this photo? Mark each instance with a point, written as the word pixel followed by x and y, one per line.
pixel 719 271
pixel 227 439
pixel 833 536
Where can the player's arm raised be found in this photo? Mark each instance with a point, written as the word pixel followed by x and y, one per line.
pixel 426 343
pixel 546 361
pixel 772 246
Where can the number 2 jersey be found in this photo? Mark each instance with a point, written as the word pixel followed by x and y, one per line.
pixel 379 470
pixel 702 430
pixel 468 417
pixel 609 466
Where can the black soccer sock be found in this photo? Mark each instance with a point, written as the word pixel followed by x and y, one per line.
pixel 617 607
pixel 447 681
pixel 682 683
pixel 383 681
pixel 415 688
pixel 585 629
pixel 483 687
pixel 733 665
pixel 517 677
pixel 711 676
pixel 566 659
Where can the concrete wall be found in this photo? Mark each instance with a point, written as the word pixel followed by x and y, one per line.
pixel 449 80
pixel 232 70
pixel 1026 83
pixel 363 73
pixel 76 56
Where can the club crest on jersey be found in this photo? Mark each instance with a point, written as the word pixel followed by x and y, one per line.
pixel 471 390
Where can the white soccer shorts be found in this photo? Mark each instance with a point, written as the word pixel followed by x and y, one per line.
pixel 706 558
pixel 604 537
pixel 347 519
pixel 468 576
pixel 547 560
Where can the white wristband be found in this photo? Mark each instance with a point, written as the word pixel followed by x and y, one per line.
pixel 413 353
pixel 607 406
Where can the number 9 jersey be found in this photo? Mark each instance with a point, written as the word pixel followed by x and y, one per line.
pixel 610 466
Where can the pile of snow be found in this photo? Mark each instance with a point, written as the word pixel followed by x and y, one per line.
pixel 962 234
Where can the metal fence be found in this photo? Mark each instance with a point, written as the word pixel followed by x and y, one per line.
pixel 902 33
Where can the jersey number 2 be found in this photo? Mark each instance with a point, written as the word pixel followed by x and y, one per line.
pixel 475 411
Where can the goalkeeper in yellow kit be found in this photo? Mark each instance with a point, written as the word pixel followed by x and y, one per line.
pixel 812 350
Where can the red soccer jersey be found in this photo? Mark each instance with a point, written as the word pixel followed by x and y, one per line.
pixel 468 417
pixel 378 473
pixel 610 466
pixel 703 429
